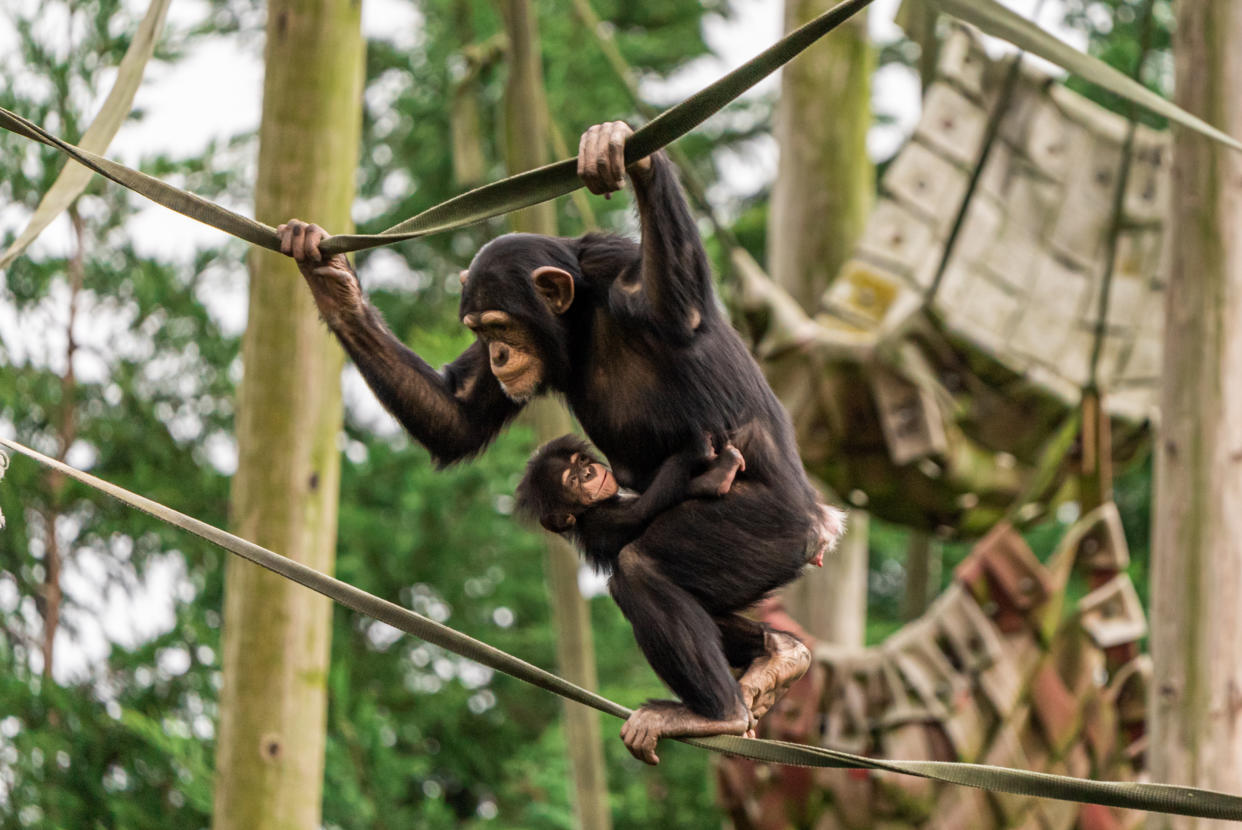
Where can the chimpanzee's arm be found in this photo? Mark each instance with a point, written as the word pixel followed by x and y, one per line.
pixel 454 413
pixel 626 519
pixel 608 527
pixel 674 276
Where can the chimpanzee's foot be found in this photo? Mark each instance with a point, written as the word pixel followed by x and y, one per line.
pixel 669 719
pixel 769 678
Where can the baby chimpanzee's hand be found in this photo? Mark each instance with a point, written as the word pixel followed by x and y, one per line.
pixel 717 480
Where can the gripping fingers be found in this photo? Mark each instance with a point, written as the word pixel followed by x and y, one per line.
pixel 300 240
pixel 306 243
pixel 588 160
pixel 618 132
pixel 601 157
pixel 640 741
pixel 642 745
pixel 314 235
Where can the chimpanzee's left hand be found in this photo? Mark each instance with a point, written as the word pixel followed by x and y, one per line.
pixel 601 158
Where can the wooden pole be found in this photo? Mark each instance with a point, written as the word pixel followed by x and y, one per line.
pixel 820 200
pixel 270 753
pixel 526 140
pixel 1195 707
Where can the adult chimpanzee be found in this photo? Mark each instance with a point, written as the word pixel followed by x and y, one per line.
pixel 633 337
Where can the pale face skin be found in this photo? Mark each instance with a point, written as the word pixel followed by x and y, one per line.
pixel 513 360
pixel 587 482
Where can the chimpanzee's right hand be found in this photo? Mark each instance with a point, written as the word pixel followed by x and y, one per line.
pixel 331 280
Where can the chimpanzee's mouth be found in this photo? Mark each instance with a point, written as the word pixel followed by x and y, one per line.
pixel 603 481
pixel 515 385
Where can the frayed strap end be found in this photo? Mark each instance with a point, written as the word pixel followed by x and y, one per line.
pixel 4 465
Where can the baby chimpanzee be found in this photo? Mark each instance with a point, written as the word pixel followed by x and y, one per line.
pixel 573 494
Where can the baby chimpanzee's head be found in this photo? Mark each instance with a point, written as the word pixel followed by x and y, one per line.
pixel 563 479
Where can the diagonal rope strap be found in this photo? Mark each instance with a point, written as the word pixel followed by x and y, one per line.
pixel 4 465
pixel 1162 798
pixel 522 190
pixel 165 194
pixel 73 178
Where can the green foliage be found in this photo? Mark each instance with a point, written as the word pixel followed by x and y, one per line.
pixel 123 739
pixel 1115 31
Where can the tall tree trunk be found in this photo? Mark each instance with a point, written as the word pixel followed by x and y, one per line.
pixel 825 182
pixel 269 760
pixel 67 433
pixel 922 573
pixel 824 188
pixel 1196 580
pixel 527 135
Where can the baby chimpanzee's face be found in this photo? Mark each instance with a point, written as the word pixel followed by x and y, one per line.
pixel 587 481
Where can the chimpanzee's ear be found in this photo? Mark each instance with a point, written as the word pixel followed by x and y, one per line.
pixel 557 522
pixel 555 285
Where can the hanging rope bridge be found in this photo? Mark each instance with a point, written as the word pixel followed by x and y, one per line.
pixel 541 185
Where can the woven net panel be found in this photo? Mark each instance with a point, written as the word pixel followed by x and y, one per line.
pixel 929 387
pixel 997 672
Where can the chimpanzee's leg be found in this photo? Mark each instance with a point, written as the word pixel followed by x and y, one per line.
pixel 772 660
pixel 743 639
pixel 681 641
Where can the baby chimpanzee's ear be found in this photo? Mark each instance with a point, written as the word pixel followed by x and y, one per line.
pixel 557 522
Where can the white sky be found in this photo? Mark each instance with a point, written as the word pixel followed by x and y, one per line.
pixel 214 93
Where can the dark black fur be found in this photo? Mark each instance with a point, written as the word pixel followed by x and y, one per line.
pixel 540 495
pixel 646 383
pixel 601 530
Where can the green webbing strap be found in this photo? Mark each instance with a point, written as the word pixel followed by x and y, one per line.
pixel 342 592
pixel 116 107
pixel 171 197
pixel 522 190
pixel 1162 798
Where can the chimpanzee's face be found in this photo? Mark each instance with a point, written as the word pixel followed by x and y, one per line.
pixel 587 481
pixel 511 298
pixel 511 351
